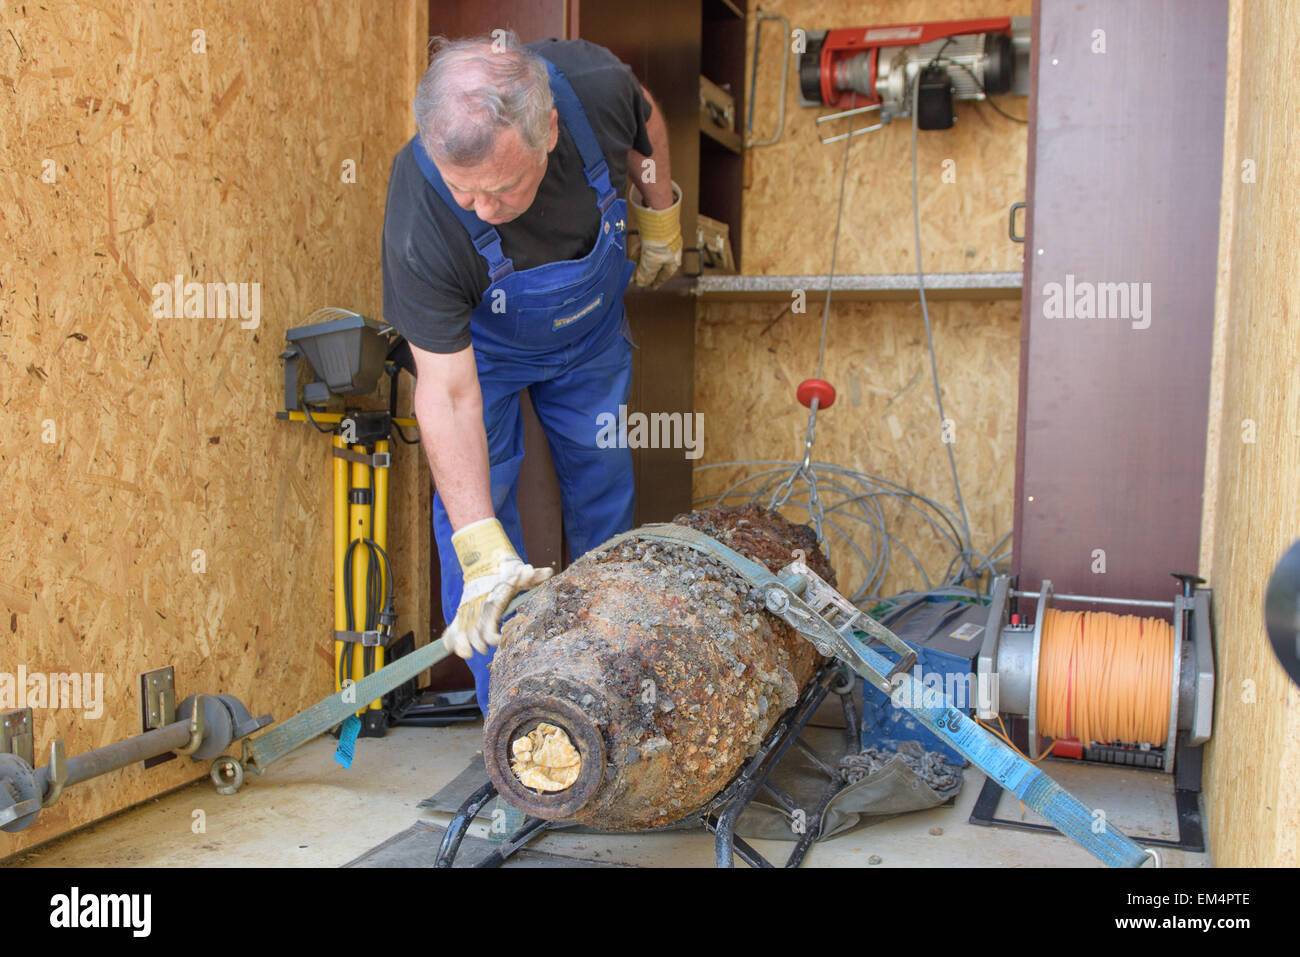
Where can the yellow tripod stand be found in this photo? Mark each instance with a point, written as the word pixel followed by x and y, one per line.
pixel 354 351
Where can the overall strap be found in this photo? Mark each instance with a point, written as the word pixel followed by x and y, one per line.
pixel 484 236
pixel 575 118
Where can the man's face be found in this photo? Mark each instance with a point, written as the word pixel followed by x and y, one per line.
pixel 504 184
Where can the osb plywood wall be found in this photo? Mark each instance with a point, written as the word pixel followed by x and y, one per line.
pixel 1254 757
pixel 157 513
pixel 884 420
pixel 750 356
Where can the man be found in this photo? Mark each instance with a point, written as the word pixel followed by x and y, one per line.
pixel 504 267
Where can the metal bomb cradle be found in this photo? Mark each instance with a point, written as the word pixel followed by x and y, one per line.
pixel 721 814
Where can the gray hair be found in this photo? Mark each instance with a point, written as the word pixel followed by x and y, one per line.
pixel 474 89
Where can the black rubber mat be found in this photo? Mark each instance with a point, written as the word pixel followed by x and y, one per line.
pixel 417 846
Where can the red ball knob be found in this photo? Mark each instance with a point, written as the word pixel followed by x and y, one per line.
pixel 818 389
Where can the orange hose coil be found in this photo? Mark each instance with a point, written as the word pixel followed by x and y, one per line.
pixel 1104 677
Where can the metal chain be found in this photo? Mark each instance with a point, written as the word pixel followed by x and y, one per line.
pixel 805 471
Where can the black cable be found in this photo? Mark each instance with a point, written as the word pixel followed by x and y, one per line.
pixel 939 53
pixel 388 568
pixel 377 582
pixel 374 581
pixel 345 664
pixel 306 408
pixel 372 592
pixel 350 621
pixel 402 435
pixel 387 578
pixel 977 82
pixel 392 409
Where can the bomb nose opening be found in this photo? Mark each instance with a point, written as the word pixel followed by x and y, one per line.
pixel 565 750
pixel 545 759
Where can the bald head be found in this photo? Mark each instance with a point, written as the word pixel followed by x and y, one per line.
pixel 487 119
pixel 477 89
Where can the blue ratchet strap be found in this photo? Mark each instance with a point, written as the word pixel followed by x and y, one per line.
pixel 1014 773
pixel 347 740
pixel 1022 778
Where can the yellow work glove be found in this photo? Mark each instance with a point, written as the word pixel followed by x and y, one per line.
pixel 493 575
pixel 661 238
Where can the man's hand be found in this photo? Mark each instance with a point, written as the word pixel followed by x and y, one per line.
pixel 493 575
pixel 661 238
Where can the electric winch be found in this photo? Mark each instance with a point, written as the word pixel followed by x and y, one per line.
pixel 1097 686
pixel 875 68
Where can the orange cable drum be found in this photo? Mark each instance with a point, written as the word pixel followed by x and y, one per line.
pixel 1104 677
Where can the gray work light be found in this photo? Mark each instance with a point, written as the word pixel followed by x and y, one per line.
pixel 346 352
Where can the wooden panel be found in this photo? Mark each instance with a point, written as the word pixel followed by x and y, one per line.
pixel 722 60
pixel 661 42
pixel 1254 757
pixel 539 493
pixel 130 440
pixel 662 381
pixel 1124 190
pixel 1218 351
pixel 531 19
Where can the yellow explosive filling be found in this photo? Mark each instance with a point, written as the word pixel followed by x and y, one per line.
pixel 545 759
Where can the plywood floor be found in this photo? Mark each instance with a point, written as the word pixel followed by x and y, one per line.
pixel 307 811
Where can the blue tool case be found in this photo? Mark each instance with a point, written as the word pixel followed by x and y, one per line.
pixel 947 636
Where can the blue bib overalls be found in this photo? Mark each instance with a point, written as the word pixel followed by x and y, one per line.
pixel 557 330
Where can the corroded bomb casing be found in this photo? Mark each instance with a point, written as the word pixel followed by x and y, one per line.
pixel 630 688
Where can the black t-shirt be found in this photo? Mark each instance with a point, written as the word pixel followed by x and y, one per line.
pixel 433 276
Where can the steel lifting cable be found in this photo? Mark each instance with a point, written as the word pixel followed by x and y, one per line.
pixel 816 393
pixel 860 497
pixel 968 544
pixel 862 506
pixel 805 471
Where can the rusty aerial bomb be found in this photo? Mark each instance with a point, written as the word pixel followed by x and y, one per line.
pixel 630 688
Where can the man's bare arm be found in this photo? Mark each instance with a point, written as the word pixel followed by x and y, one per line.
pixel 659 193
pixel 449 407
